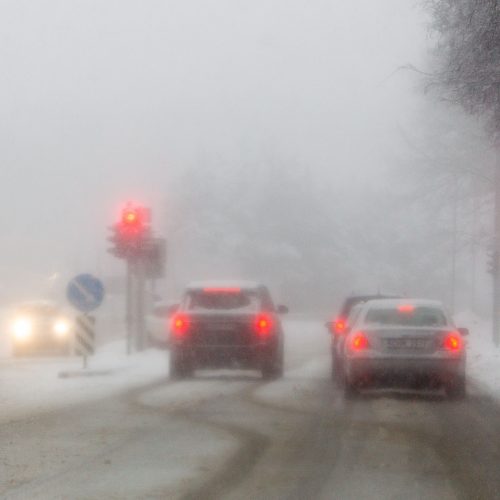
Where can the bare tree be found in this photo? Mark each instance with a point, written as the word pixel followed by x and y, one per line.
pixel 468 73
pixel 468 54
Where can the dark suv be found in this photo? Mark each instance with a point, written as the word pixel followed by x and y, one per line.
pixel 226 325
pixel 339 326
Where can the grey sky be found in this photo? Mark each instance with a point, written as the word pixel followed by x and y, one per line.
pixel 102 101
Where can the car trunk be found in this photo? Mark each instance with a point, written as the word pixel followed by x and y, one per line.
pixel 222 330
pixel 406 341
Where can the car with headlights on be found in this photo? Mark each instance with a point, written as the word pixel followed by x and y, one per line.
pixel 40 328
pixel 226 325
pixel 157 325
pixel 398 342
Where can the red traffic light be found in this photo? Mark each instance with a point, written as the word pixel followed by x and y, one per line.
pixel 134 221
pixel 131 232
pixel 131 217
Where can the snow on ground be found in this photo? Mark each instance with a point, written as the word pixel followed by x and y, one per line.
pixel 307 360
pixel 206 386
pixel 483 362
pixel 33 385
pixel 298 389
pixel 30 385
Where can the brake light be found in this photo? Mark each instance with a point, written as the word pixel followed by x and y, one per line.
pixel 339 326
pixel 452 342
pixel 359 342
pixel 406 308
pixel 222 290
pixel 180 324
pixel 263 324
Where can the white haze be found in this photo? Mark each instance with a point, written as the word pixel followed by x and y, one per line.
pixel 105 101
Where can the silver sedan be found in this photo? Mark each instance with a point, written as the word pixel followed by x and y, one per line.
pixel 411 341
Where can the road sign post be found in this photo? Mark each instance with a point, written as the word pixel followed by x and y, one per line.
pixel 85 337
pixel 85 293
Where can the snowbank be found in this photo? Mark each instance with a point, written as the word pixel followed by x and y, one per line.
pixel 483 362
pixel 33 385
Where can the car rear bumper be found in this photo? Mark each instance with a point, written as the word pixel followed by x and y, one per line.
pixel 400 369
pixel 226 356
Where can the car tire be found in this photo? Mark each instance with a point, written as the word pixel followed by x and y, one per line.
pixel 455 389
pixel 337 372
pixel 349 388
pixel 272 368
pixel 180 366
pixel 334 368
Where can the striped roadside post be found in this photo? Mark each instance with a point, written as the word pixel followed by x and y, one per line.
pixel 85 293
pixel 85 337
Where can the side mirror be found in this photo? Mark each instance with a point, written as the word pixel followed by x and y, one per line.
pixel 463 331
pixel 172 309
pixel 282 309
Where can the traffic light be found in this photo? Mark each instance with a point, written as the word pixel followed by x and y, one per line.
pixel 131 232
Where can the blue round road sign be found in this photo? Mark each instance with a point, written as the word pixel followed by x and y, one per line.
pixel 85 293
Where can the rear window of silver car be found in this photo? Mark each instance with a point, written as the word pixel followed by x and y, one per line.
pixel 418 317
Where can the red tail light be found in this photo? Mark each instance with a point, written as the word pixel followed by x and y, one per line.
pixel 180 324
pixel 222 290
pixel 359 342
pixel 339 326
pixel 263 324
pixel 452 342
pixel 406 308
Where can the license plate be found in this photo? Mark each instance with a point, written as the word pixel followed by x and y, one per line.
pixel 416 344
pixel 219 327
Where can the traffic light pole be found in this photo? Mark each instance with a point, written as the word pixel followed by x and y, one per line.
pixel 145 259
pixel 140 327
pixel 128 305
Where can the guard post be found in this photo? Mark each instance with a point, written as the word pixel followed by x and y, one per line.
pixel 85 293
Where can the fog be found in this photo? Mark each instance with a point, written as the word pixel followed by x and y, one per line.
pixel 337 151
pixel 173 103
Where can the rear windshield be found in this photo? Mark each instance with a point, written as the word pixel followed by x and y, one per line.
pixel 420 316
pixel 354 301
pixel 220 301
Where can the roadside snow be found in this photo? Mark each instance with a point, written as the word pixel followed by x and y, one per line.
pixel 483 362
pixel 33 385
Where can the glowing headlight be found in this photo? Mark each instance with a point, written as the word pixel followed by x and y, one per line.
pixel 61 328
pixel 22 328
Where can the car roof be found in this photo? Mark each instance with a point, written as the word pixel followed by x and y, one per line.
pixel 373 296
pixel 394 303
pixel 243 284
pixel 354 300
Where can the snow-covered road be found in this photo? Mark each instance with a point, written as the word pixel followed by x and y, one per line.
pixel 128 432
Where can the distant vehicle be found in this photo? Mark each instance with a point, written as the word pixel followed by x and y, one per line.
pixel 226 325
pixel 157 322
pixel 338 326
pixel 391 342
pixel 40 327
